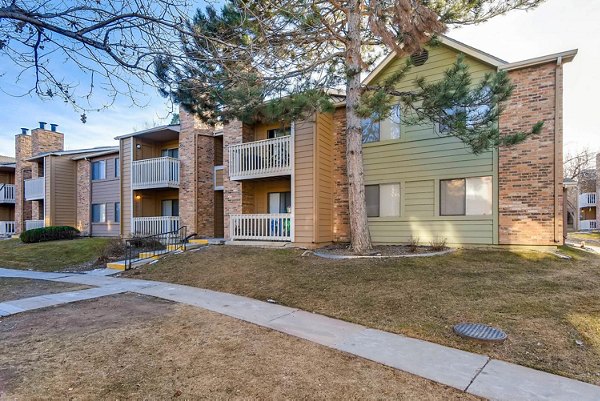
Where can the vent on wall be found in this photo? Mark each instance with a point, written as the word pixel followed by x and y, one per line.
pixel 420 57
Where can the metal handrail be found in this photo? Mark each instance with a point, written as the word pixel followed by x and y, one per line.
pixel 151 246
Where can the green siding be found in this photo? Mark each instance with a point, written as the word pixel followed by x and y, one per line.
pixel 418 160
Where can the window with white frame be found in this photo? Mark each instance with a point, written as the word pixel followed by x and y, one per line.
pixel 382 130
pixel 99 170
pixel 466 196
pixel 383 200
pixel 98 213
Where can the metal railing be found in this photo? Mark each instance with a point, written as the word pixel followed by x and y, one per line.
pixel 587 199
pixel 31 224
pixel 152 246
pixel 266 158
pixel 588 225
pixel 261 227
pixel 7 193
pixel 154 225
pixel 7 228
pixel 34 189
pixel 160 172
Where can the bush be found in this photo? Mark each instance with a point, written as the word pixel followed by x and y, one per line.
pixel 438 244
pixel 49 234
pixel 114 248
pixel 413 244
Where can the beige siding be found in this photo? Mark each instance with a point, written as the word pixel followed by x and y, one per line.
pixel 7 177
pixel 126 193
pixel 7 213
pixel 324 178
pixel 419 160
pixel 107 192
pixel 304 181
pixel 62 191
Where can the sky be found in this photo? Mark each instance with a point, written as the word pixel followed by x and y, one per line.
pixel 555 26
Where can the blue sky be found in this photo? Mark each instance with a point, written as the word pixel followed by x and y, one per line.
pixel 555 26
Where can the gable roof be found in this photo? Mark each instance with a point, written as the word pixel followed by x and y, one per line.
pixel 498 63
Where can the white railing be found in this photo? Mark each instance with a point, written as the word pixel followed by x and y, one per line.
pixel 34 189
pixel 160 172
pixel 155 225
pixel 7 228
pixel 262 227
pixel 588 225
pixel 587 199
pixel 31 224
pixel 267 158
pixel 7 193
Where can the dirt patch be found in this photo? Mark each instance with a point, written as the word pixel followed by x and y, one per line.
pixel 17 288
pixel 381 250
pixel 531 296
pixel 132 346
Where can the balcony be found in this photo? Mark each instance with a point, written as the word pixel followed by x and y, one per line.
pixel 160 172
pixel 7 193
pixel 31 224
pixel 586 225
pixel 267 158
pixel 143 226
pixel 34 189
pixel 7 228
pixel 587 199
pixel 261 227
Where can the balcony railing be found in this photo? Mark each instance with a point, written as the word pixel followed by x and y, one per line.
pixel 7 228
pixel 34 189
pixel 31 224
pixel 7 193
pixel 587 199
pixel 160 172
pixel 588 225
pixel 154 225
pixel 267 158
pixel 261 227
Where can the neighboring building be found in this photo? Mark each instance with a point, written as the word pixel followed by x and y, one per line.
pixel 7 196
pixel 53 187
pixel 583 201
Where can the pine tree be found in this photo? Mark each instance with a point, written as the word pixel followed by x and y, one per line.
pixel 275 61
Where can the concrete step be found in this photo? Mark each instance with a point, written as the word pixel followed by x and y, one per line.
pixel 152 254
pixel 120 264
pixel 199 241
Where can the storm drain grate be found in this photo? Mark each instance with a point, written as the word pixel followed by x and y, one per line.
pixel 480 332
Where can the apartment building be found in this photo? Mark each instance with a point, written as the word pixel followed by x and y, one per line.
pixel 52 182
pixel 7 196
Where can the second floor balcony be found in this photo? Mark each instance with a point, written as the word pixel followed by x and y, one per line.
pixel 160 172
pixel 35 189
pixel 266 158
pixel 7 193
pixel 587 199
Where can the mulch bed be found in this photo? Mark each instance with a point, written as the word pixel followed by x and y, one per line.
pixel 381 250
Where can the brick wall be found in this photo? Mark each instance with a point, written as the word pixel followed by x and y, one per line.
pixel 234 202
pixel 83 196
pixel 530 174
pixel 43 140
pixel 597 190
pixel 22 172
pixel 196 189
pixel 341 218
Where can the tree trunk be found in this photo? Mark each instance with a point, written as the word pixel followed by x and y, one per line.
pixel 359 228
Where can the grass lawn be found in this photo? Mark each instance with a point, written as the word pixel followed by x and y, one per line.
pixel 545 304
pixel 592 237
pixel 17 288
pixel 136 347
pixel 51 255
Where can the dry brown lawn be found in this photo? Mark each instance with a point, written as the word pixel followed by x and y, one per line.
pixel 548 306
pixel 137 347
pixel 17 288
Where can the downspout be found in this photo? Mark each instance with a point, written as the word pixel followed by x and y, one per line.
pixel 557 158
pixel 91 197
pixel 195 211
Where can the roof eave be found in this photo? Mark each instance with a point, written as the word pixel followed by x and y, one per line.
pixel 562 58
pixel 173 128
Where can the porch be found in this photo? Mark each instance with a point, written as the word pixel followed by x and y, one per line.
pixel 586 225
pixel 7 228
pixel 159 172
pixel 260 159
pixel 143 226
pixel 35 189
pixel 587 199
pixel 31 224
pixel 261 227
pixel 7 193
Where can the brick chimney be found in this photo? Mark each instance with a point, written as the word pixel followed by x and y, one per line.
pixel 44 140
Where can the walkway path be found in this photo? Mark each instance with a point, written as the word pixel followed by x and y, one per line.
pixel 476 374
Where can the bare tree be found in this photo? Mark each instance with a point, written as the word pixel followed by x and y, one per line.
pixel 70 49
pixel 581 166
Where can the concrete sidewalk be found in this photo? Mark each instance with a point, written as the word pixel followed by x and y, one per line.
pixel 473 373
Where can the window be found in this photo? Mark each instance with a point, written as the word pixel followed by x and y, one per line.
pixel 170 207
pixel 173 153
pixel 279 202
pixel 98 213
pixel 117 212
pixel 466 197
pixel 470 116
pixel 117 168
pixel 383 200
pixel 279 132
pixel 389 128
pixel 99 170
